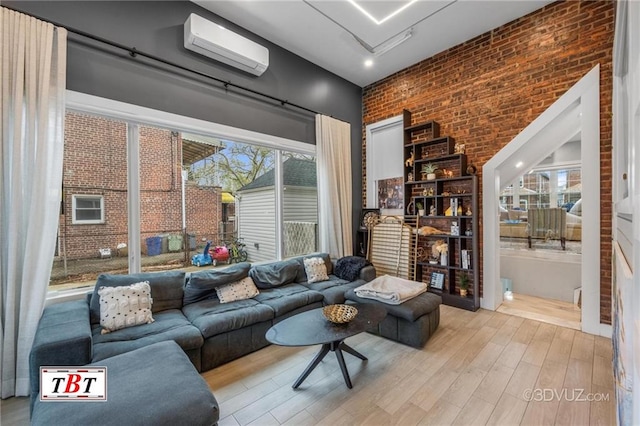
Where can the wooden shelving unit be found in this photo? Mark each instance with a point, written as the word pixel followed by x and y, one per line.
pixel 449 200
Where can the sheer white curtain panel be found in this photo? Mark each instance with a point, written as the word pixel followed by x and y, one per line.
pixel 33 61
pixel 335 208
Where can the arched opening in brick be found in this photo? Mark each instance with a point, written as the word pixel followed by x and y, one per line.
pixel 577 111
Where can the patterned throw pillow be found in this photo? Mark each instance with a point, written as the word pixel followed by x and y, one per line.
pixel 239 290
pixel 125 306
pixel 316 269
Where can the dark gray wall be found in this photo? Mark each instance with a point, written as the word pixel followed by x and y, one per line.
pixel 156 27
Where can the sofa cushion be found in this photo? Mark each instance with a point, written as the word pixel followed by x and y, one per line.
pixel 274 274
pixel 333 281
pixel 315 269
pixel 288 298
pixel 335 293
pixel 168 325
pixel 166 289
pixel 202 285
pixel 410 310
pixel 239 290
pixel 125 306
pixel 213 318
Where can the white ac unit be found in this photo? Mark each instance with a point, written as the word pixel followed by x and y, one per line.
pixel 210 39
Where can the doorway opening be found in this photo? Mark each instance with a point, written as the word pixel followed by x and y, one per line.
pixel 575 115
pixel 541 240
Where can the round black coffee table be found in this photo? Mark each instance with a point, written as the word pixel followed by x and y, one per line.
pixel 312 328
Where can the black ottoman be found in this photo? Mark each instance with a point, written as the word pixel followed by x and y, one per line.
pixel 154 385
pixel 412 322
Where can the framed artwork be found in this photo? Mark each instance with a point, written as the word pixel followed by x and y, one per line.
pixel 437 280
pixel 391 196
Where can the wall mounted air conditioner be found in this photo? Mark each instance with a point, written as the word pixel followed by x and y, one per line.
pixel 216 42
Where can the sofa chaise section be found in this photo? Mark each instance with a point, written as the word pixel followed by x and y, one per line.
pixel 153 385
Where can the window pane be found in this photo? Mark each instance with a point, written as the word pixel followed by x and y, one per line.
pixel 87 214
pixel 299 204
pixel 248 172
pixel 87 203
pixel 94 164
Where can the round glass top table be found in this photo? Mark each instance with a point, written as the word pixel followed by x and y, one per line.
pixel 312 328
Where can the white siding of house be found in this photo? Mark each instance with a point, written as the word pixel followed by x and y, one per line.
pixel 300 207
pixel 256 217
pixel 300 204
pixel 256 223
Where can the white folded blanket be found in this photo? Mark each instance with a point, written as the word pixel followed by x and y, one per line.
pixel 391 290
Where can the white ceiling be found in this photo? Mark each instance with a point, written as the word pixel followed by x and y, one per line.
pixel 324 32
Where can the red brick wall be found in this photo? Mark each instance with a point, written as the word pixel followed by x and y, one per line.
pixel 95 163
pixel 204 211
pixel 485 91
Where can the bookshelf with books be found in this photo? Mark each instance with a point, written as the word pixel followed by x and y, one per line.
pixel 445 210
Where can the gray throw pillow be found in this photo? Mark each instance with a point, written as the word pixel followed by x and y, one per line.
pixel 202 285
pixel 274 274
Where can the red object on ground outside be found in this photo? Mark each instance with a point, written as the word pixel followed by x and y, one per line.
pixel 220 253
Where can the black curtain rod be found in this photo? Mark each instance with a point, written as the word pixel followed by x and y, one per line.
pixel 133 52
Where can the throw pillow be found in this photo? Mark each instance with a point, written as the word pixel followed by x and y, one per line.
pixel 316 269
pixel 348 268
pixel 125 306
pixel 239 290
pixel 275 274
pixel 202 285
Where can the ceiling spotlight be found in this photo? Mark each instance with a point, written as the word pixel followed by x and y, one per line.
pixel 368 63
pixel 519 164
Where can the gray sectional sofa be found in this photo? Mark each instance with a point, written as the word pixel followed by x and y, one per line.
pixel 187 311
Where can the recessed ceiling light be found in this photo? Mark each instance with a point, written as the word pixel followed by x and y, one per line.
pixel 386 18
pixel 368 63
pixel 519 164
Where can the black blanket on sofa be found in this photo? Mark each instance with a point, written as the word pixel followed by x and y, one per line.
pixel 348 268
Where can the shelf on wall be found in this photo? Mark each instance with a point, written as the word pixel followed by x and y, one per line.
pixel 457 245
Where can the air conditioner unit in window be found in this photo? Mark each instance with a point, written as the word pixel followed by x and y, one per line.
pixel 216 42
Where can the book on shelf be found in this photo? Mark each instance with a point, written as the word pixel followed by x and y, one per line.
pixel 465 256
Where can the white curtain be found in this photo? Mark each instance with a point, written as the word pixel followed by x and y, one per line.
pixel 333 150
pixel 33 60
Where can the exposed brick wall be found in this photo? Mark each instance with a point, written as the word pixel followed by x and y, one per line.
pixel 485 91
pixel 95 162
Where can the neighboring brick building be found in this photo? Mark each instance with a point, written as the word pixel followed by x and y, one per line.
pixel 95 175
pixel 485 91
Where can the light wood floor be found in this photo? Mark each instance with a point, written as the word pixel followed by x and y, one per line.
pixel 477 369
pixel 550 311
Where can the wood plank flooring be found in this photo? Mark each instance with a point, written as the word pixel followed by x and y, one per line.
pixel 482 368
pixel 551 311
pixel 485 368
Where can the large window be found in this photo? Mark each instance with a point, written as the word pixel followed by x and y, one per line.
pixel 543 188
pixel 88 209
pixel 147 196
